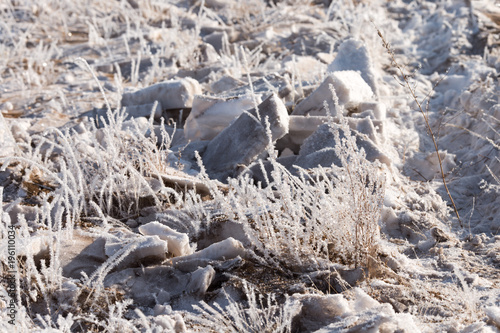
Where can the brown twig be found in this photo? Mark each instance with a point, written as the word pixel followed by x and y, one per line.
pixel 414 96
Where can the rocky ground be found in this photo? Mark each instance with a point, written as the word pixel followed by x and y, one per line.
pixel 250 166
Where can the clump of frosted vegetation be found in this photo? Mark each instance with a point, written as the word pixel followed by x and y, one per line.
pixel 106 168
pixel 308 220
pixel 257 314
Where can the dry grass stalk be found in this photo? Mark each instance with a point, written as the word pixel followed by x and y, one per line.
pixel 407 84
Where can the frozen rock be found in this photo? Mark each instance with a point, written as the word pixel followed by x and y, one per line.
pixel 26 246
pixel 318 149
pixel 223 230
pixel 178 243
pixel 30 213
pixel 210 115
pixel 348 87
pixel 188 152
pixel 187 182
pixel 227 249
pixel 173 94
pixel 300 128
pixel 144 247
pixel 314 104
pixel 7 141
pixel 202 74
pixel 241 142
pixel 200 280
pixel 144 110
pixel 271 83
pixel 320 310
pixel 275 111
pixel 263 173
pixel 354 56
pixel 373 129
pixel 360 314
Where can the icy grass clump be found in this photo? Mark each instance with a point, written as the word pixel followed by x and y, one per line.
pixel 304 222
pixel 105 169
pixel 259 314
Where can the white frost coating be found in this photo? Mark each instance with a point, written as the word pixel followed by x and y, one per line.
pixel 348 86
pixel 351 89
pixel 353 55
pixel 210 115
pixel 178 243
pixel 173 94
pixel 148 246
pixel 200 280
pixel 227 249
pixel 7 141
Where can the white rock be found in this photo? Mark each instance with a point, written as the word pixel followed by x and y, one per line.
pixel 353 55
pixel 225 83
pixel 173 94
pixel 210 115
pixel 275 111
pixel 227 249
pixel 348 87
pixel 351 89
pixel 320 310
pixel 200 280
pixel 178 243
pixel 33 245
pixel 313 105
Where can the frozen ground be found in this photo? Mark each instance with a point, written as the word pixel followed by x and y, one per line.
pixel 249 166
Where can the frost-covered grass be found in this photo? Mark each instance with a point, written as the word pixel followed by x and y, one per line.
pixel 300 235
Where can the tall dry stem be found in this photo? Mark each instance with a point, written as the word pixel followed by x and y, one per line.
pixel 413 95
